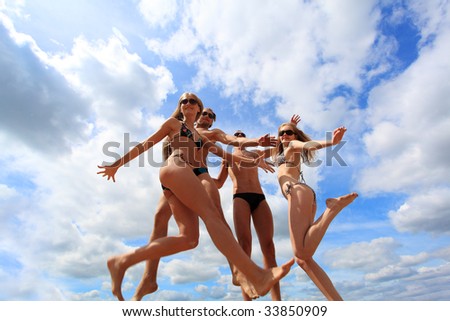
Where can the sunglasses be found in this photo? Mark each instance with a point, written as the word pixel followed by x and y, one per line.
pixel 287 132
pixel 211 116
pixel 191 101
pixel 240 135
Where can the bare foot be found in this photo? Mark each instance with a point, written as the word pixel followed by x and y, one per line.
pixel 146 286
pixel 235 279
pixel 336 205
pixel 272 276
pixel 246 286
pixel 235 274
pixel 117 275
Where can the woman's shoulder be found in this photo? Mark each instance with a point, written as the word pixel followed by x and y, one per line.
pixel 172 122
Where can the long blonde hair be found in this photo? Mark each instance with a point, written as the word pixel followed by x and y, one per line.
pixel 307 154
pixel 167 150
pixel 178 114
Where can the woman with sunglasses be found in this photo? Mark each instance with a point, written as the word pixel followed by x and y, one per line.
pixel 148 283
pixel 295 147
pixel 188 200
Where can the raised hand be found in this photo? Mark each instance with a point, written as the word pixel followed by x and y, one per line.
pixel 108 171
pixel 265 166
pixel 295 119
pixel 338 133
pixel 267 140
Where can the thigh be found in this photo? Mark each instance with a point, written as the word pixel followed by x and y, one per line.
pixel 187 188
pixel 211 189
pixel 301 212
pixel 263 222
pixel 241 218
pixel 161 218
pixel 185 218
pixel 163 211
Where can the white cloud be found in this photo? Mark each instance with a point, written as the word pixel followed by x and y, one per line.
pixel 409 117
pixel 389 272
pixel 296 60
pixel 70 218
pixel 364 256
pixel 214 292
pixel 88 296
pixel 443 253
pixel 38 107
pixel 427 212
pixel 293 54
pixel 420 276
pixel 427 283
pixel 411 260
pixel 12 6
pixel 181 271
pixel 158 12
pixel 169 295
pixel 6 192
pixel 120 86
pixel 430 16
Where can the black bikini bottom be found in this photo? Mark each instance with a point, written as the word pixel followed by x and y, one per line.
pixel 253 199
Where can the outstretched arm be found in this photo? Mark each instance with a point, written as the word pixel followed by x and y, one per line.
pixel 220 136
pixel 338 134
pixel 110 170
pixel 230 158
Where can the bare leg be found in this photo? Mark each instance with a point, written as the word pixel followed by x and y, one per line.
pixel 242 220
pixel 320 226
pixel 263 222
pixel 320 278
pixel 196 199
pixel 213 192
pixel 163 213
pixel 148 282
pixel 307 234
pixel 187 239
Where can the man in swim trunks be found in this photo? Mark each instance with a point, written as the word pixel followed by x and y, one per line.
pixel 249 203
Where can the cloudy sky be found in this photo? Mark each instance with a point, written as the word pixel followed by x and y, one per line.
pixel 82 80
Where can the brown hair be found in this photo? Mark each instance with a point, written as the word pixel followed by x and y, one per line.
pixel 178 114
pixel 307 154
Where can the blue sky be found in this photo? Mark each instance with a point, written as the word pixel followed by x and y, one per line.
pixel 76 75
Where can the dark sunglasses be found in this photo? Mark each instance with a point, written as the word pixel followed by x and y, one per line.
pixel 211 116
pixel 191 101
pixel 287 132
pixel 240 135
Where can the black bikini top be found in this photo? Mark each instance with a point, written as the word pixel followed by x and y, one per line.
pixel 186 132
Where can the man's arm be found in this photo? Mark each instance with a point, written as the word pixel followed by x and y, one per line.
pixel 220 136
pixel 223 174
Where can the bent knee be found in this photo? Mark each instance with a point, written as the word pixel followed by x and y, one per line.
pixel 303 260
pixel 191 243
pixel 163 214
